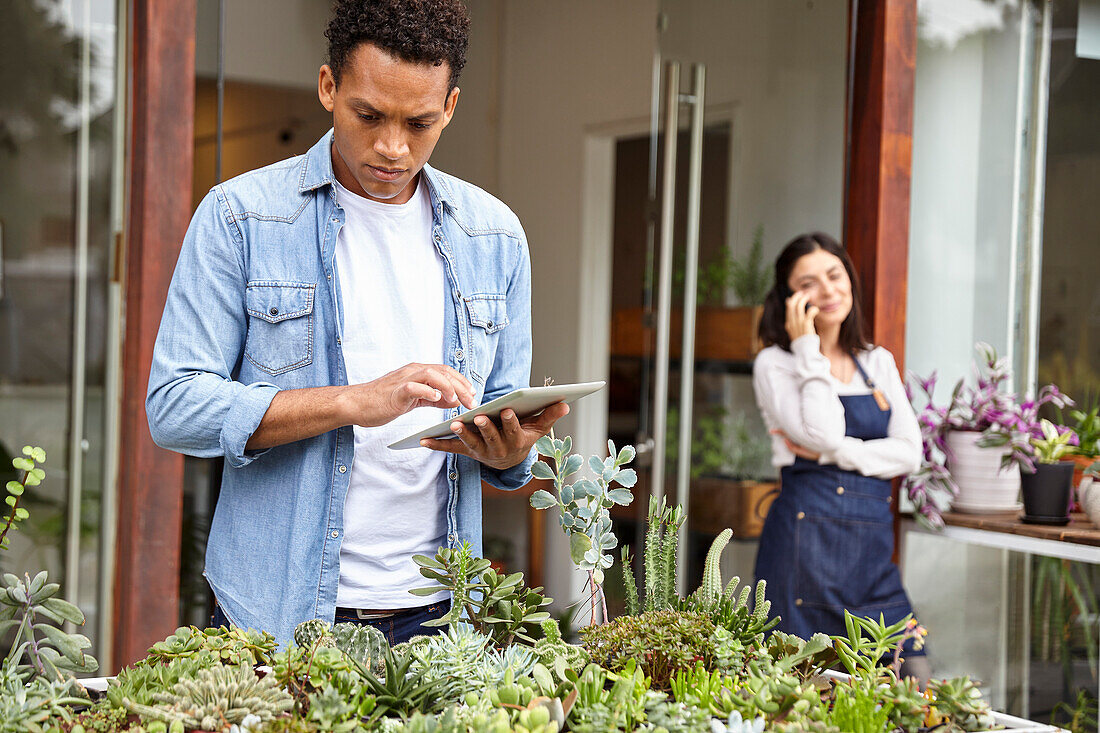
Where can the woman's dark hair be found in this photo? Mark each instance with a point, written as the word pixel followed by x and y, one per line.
pixel 421 31
pixel 773 329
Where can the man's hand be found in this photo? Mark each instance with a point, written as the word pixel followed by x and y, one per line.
pixel 499 447
pixel 797 449
pixel 800 316
pixel 414 385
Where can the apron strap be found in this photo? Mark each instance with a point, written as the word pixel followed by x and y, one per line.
pixel 880 398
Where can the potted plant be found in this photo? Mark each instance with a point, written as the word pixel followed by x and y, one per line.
pixel 975 447
pixel 1048 489
pixel 1086 428
pixel 723 333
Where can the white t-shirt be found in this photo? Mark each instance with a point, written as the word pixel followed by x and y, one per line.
pixel 798 394
pixel 392 295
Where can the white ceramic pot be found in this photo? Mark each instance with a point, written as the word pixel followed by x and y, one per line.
pixel 983 485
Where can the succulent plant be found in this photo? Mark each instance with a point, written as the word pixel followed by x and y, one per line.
pixel 734 724
pixel 40 648
pixel 494 604
pixel 365 644
pixel 215 697
pixel 32 476
pixel 229 645
pixel 313 632
pixel 552 646
pixel 28 705
pixel 959 705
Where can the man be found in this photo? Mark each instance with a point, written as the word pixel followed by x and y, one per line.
pixel 327 305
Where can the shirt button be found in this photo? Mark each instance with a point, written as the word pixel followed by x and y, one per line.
pixel 274 311
pixel 338 341
pixel 438 237
pixel 840 489
pixel 458 295
pixel 335 534
pixel 889 500
pixel 452 537
pixel 801 515
pixel 343 469
pixel 798 601
pixel 488 324
pixel 453 475
pixel 459 354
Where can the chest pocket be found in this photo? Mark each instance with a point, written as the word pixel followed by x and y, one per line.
pixel 488 315
pixel 280 325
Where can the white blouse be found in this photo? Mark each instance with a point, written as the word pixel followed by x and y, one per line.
pixel 798 394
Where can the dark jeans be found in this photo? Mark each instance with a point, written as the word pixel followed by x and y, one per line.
pixel 397 628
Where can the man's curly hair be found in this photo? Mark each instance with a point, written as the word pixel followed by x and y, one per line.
pixel 421 31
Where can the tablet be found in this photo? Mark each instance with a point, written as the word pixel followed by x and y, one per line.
pixel 526 401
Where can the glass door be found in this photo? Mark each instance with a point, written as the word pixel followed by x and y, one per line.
pixel 745 150
pixel 60 215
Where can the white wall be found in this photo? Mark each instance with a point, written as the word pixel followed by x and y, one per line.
pixel 280 43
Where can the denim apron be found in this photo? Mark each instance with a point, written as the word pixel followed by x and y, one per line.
pixel 828 539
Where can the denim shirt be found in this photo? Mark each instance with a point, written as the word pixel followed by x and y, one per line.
pixel 253 308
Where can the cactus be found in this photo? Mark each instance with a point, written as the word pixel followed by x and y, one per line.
pixel 711 587
pixel 365 644
pixel 312 633
pixel 629 585
pixel 217 696
pixel 552 646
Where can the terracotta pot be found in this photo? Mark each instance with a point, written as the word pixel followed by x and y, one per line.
pixel 1080 463
pixel 983 485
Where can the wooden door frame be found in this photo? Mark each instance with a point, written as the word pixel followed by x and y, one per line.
pixel 158 189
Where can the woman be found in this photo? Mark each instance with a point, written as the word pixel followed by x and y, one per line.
pixel 841 427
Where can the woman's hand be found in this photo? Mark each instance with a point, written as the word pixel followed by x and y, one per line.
pixel 797 449
pixel 800 316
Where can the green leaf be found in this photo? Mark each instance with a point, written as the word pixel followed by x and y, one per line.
pixel 22 464
pixel 426 591
pixel 67 646
pixel 32 480
pixel 543 499
pixel 597 575
pixel 428 562
pixel 578 545
pixel 65 610
pixel 626 455
pixel 545 446
pixel 13 486
pixel 38 473
pixel 39 455
pixel 622 497
pixel 28 451
pixel 21 513
pixel 572 465
pixel 542 677
pixel 16 490
pixel 10 500
pixel 542 471
pixel 626 478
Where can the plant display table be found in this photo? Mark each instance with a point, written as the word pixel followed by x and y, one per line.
pixel 1078 541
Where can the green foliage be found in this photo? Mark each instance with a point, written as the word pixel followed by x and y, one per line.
pixel 857 709
pixel 215 697
pixel 959 702
pixel 230 645
pixel 464 660
pixel 867 642
pixel 496 605
pixel 585 505
pixel 752 278
pixel 145 679
pixel 32 476
pixel 609 702
pixel 908 705
pixel 552 647
pixel 1053 445
pixel 630 586
pixel 365 644
pixel 661 543
pixel 660 642
pixel 313 632
pixel 28 705
pixel 401 690
pixel 40 648
pixel 1087 428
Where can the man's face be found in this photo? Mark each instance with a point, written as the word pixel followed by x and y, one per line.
pixel 387 115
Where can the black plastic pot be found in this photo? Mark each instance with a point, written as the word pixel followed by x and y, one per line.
pixel 1047 491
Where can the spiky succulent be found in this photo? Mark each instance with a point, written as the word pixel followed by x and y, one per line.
pixel 959 705
pixel 313 632
pixel 216 697
pixel 552 646
pixel 365 644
